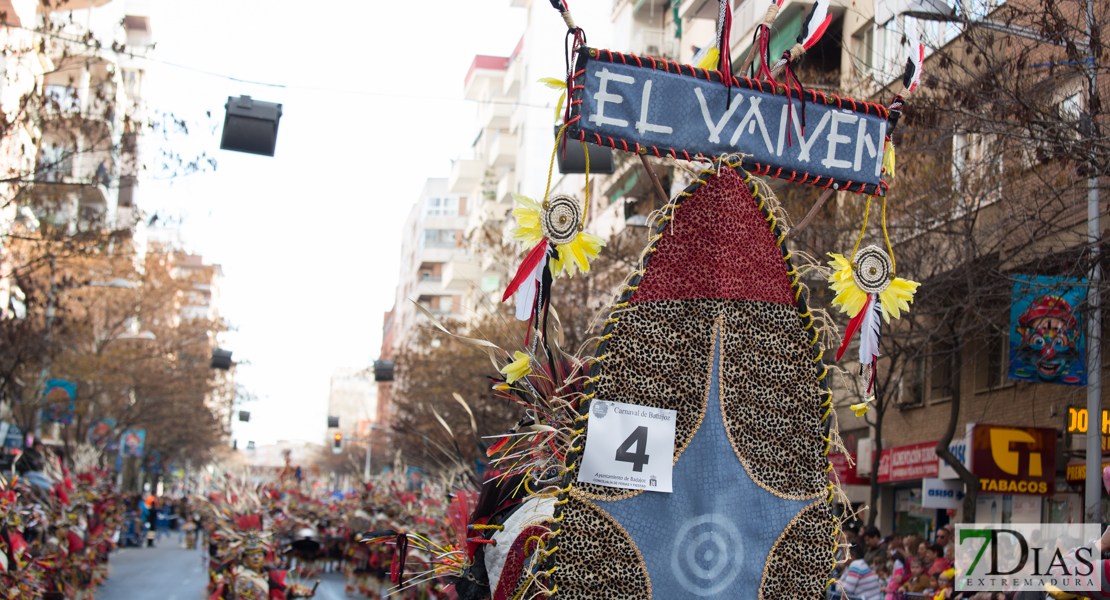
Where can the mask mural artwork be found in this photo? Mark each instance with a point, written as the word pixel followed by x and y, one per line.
pixel 1046 332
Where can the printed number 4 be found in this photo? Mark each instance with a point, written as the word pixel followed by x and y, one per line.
pixel 639 458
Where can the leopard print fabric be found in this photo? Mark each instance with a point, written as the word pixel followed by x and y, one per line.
pixel 597 558
pixel 659 357
pixel 802 558
pixel 777 436
pixel 717 261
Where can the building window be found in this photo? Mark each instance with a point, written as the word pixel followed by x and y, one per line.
pixel 441 207
pixel 439 238
pixel 913 383
pixel 942 372
pixel 993 362
pixel 865 49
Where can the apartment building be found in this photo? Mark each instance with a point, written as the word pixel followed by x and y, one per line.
pixel 90 155
pixel 436 266
pixel 353 398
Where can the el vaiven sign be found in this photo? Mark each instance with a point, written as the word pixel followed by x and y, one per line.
pixel 658 107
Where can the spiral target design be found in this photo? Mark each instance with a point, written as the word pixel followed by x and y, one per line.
pixel 707 554
pixel 872 269
pixel 560 219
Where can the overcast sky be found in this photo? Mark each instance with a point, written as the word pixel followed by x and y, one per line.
pixel 310 240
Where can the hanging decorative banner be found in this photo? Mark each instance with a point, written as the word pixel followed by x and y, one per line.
pixel 1047 344
pixel 100 435
pixel 132 441
pixel 59 401
pixel 662 108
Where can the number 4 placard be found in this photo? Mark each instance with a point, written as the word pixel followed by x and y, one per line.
pixel 629 446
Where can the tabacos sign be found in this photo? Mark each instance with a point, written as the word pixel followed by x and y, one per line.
pixel 1014 460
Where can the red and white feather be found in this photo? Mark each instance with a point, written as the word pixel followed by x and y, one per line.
pixel 816 24
pixel 914 64
pixel 526 294
pixel 869 332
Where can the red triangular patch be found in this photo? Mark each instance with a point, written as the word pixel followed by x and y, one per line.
pixel 718 246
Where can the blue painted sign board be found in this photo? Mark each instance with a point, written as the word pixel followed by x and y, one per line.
pixel 661 108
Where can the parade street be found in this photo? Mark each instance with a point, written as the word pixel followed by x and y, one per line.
pixel 167 572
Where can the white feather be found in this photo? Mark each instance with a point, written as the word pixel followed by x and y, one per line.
pixel 526 294
pixel 869 333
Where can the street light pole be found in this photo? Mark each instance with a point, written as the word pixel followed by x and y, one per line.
pixel 44 375
pixel 1093 500
pixel 369 447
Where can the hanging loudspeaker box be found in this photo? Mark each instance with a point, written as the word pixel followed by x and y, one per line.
pixel 573 159
pixel 383 371
pixel 221 359
pixel 245 416
pixel 250 126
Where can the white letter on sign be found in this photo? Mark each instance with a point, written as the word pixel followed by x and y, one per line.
pixel 642 125
pixel 602 96
pixel 715 130
pixel 753 111
pixel 835 138
pixel 863 141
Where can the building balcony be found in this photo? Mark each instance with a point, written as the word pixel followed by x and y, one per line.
pixel 654 42
pixel 700 9
pixel 510 85
pixel 495 114
pixel 465 175
pixel 459 275
pixel 485 73
pixel 502 150
pixel 505 187
pixel 518 118
pixel 432 286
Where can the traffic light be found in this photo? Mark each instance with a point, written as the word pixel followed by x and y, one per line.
pixel 337 447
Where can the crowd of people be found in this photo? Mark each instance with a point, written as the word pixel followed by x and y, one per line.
pixel 58 527
pixel 911 567
pixel 896 567
pixel 272 540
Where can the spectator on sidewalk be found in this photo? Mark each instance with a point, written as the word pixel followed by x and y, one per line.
pixel 919 580
pixel 859 580
pixel 875 546
pixel 938 563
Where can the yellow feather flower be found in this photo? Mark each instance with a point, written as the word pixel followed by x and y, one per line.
pixel 861 408
pixel 570 257
pixel 851 299
pixel 518 368
pixel 709 61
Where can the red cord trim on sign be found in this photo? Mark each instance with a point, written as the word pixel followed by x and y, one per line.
pixel 751 84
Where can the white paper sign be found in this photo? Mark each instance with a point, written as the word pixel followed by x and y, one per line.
pixel 629 446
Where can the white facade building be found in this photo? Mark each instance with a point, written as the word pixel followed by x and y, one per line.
pixel 353 397
pixel 436 266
